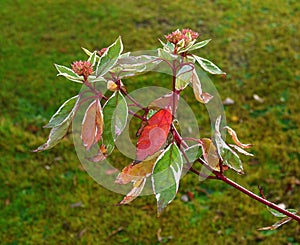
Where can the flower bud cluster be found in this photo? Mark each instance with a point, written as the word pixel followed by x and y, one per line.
pixel 182 38
pixel 83 68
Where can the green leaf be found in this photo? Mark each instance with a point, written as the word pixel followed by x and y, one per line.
pixel 115 113
pixel 199 44
pixel 63 113
pixel 93 58
pixel 86 51
pixel 187 48
pixel 166 55
pixel 280 215
pixel 120 115
pixel 231 159
pixel 125 55
pixel 56 134
pixel 227 155
pixel 192 153
pixel 168 47
pixel 108 112
pixel 166 176
pixel 208 65
pixel 68 73
pixel 183 77
pixel 131 65
pixel 93 79
pixel 109 58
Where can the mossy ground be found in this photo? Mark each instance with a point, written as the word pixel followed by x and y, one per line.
pixel 255 42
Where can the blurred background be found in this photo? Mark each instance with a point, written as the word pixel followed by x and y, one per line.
pixel 47 198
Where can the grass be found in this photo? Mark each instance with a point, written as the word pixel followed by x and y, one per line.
pixel 48 197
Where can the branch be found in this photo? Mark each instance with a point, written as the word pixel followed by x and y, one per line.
pixel 124 92
pixel 94 90
pixel 262 200
pixel 136 115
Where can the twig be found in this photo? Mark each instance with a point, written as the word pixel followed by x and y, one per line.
pixel 254 196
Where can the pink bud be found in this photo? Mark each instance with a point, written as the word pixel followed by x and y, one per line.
pixel 83 68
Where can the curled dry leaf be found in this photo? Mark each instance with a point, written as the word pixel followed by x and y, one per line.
pixel 234 137
pixel 92 124
pixel 154 134
pixel 240 150
pixel 276 225
pixel 136 173
pixel 199 95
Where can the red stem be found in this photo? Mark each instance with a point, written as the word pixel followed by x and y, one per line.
pixel 136 115
pixel 124 92
pixel 94 90
pixel 221 176
pixel 255 197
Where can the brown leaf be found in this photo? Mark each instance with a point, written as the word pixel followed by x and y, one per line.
pixel 81 233
pixel 199 95
pixel 134 172
pixel 276 225
pixel 115 232
pixel 234 137
pixel 135 191
pixel 240 150
pixel 210 153
pixel 92 124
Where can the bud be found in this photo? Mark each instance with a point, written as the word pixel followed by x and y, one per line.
pixel 111 85
pixel 102 51
pixel 82 68
pixel 182 38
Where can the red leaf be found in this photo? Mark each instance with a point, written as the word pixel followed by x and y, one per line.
pixel 92 124
pixel 154 134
